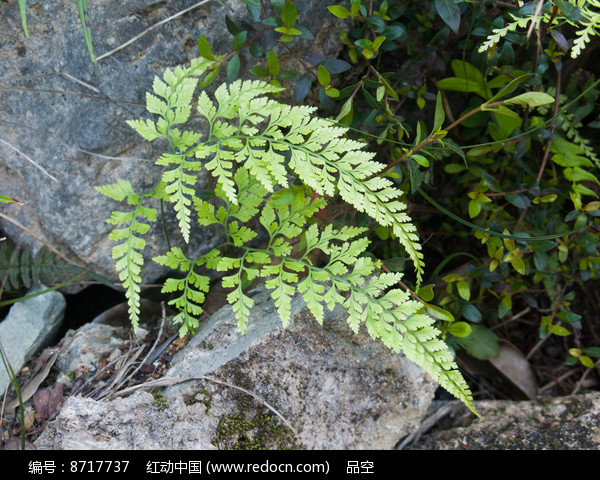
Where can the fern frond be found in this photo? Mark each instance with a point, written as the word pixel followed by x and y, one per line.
pixel 253 147
pixel 129 241
pixel 590 23
pixel 239 301
pixel 176 90
pixel 172 101
pixel 192 287
pixel 19 269
pixel 499 33
pixel 240 100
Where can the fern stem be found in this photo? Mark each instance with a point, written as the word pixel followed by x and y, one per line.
pixel 164 223
pixel 15 384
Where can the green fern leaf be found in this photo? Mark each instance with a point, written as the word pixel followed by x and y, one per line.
pixel 283 289
pixel 129 242
pixel 19 269
pixel 590 23
pixel 193 286
pixel 253 148
pixel 240 302
pixel 146 129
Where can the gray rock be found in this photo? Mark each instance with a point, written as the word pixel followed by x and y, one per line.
pixel 68 116
pixel 336 389
pixel 562 423
pixel 132 423
pixel 30 326
pixel 84 348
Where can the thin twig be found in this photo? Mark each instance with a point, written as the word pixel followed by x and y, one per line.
pixel 556 381
pixel 428 423
pixel 145 360
pixel 156 25
pixel 117 377
pixel 80 82
pixel 36 236
pixel 552 315
pixel 94 377
pixel 66 92
pixel 87 152
pixel 583 377
pixel 536 15
pixel 30 160
pixel 525 311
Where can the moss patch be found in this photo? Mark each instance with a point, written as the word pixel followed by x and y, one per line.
pixel 252 426
pixel 206 398
pixel 160 402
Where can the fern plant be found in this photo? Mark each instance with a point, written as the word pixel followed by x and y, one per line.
pixel 20 270
pixel 584 15
pixel 277 164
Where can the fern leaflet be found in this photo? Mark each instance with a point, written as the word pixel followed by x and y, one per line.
pixel 20 269
pixel 172 104
pixel 130 243
pixel 193 286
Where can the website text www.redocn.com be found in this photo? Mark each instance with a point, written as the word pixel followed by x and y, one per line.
pixel 267 467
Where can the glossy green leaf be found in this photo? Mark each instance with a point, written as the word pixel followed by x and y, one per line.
pixel 233 67
pixel 239 40
pixel 273 63
pixel 259 71
pixel 231 26
pixel 204 48
pixel 510 87
pixel 467 70
pixel 518 264
pixel 449 11
pixel 592 351
pixel 458 84
pixel 303 86
pixel 482 343
pixel 426 293
pixel 464 290
pixel 289 14
pixel 339 11
pixel 439 313
pixel 530 99
pixel 439 116
pixel 518 200
pixel 474 208
pixel 459 329
pixel 346 111
pixel 470 312
pixel 323 76
pixel 558 330
pixel 586 361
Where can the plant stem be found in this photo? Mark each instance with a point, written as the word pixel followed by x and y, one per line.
pixel 15 384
